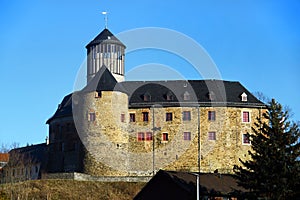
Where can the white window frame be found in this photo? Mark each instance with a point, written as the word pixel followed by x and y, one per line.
pixel 214 135
pixel 243 143
pixel 249 117
pixel 244 97
pixel 162 137
pixel 189 138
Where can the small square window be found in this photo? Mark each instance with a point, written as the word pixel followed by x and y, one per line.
pixel 165 137
pixel 169 117
pixel 187 136
pixel 91 116
pixel 186 115
pixel 246 116
pixel 140 136
pixel 148 136
pixel 122 117
pixel 211 115
pixel 132 117
pixel 145 116
pixel 212 135
pixel 246 139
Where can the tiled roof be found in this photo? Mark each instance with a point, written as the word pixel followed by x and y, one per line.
pixel 201 92
pixel 4 157
pixel 182 185
pixel 166 93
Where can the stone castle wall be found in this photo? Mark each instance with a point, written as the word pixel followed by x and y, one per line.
pixel 106 138
pixel 115 149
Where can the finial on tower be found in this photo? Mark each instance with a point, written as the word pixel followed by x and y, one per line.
pixel 105 17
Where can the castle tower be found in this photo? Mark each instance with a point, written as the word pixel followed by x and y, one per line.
pixel 106 50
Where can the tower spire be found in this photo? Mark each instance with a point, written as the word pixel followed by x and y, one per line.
pixel 105 18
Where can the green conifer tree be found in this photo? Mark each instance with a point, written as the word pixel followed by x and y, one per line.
pixel 273 170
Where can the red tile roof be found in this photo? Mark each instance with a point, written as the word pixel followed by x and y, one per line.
pixel 4 157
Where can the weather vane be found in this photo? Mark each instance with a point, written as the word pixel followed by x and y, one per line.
pixel 105 17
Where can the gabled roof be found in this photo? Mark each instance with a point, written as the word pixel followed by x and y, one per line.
pixel 29 154
pixel 182 185
pixel 105 37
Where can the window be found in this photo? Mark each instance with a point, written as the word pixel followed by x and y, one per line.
pixel 145 116
pixel 187 136
pixel 186 116
pixel 169 96
pixel 132 117
pixel 91 116
pixel 140 136
pixel 169 116
pixel 212 135
pixel 147 97
pixel 149 136
pixel 211 115
pixel 122 117
pixel 244 97
pixel 165 137
pixel 246 139
pixel 246 116
pixel 186 96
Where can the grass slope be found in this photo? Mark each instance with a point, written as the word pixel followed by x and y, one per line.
pixel 69 189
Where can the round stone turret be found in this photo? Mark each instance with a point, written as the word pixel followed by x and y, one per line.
pixel 106 50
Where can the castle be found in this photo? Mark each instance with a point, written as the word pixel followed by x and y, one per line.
pixel 114 127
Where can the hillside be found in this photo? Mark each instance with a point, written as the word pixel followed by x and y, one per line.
pixel 69 189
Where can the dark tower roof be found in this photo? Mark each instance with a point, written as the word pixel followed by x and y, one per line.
pixel 103 81
pixel 105 37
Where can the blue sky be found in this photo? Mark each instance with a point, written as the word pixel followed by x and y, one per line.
pixel 255 42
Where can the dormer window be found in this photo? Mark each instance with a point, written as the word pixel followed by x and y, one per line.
pixel 169 96
pixel 186 96
pixel 147 97
pixel 244 97
pixel 211 96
